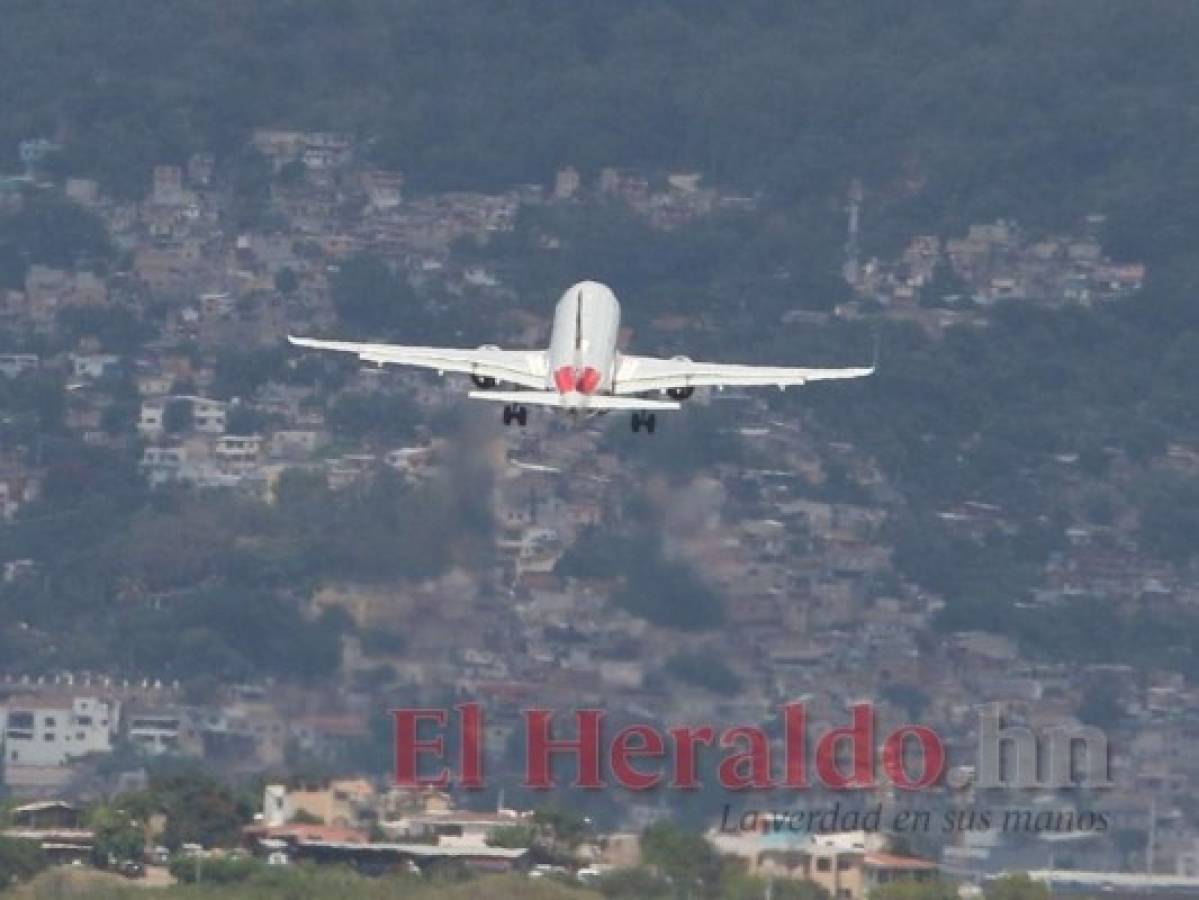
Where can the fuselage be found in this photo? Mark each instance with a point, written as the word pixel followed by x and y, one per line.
pixel 582 353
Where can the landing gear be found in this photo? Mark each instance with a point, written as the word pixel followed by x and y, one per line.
pixel 646 420
pixel 517 414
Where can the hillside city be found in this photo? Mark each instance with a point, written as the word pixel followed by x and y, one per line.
pixel 781 570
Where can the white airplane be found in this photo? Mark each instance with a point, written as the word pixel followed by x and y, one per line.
pixel 582 372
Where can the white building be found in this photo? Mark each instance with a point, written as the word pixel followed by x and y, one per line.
pixel 154 733
pixel 93 365
pixel 13 365
pixel 208 416
pixel 52 731
pixel 149 420
pixel 238 453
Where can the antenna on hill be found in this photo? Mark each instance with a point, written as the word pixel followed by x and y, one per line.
pixel 852 249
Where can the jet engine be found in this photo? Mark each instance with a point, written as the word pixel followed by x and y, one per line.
pixel 484 382
pixel 680 393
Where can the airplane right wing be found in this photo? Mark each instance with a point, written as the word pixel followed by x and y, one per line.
pixel 527 368
pixel 646 373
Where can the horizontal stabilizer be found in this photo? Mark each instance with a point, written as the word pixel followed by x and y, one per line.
pixel 571 401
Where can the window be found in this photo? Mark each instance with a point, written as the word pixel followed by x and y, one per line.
pixel 20 719
pixel 824 864
pixel 50 723
pixel 49 737
pixel 843 863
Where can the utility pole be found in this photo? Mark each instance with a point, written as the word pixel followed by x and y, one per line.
pixel 1150 848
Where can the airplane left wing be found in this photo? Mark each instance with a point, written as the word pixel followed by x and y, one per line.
pixel 527 368
pixel 635 374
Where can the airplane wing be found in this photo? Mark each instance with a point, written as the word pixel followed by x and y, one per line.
pixel 527 368
pixel 635 374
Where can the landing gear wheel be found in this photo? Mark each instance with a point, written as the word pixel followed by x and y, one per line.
pixel 648 421
pixel 522 415
pixel 507 415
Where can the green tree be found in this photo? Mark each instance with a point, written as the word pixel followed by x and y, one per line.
pixel 287 281
pixel 512 836
pixel 52 232
pixel 1016 887
pixel 377 415
pixel 198 810
pixel 19 860
pixel 634 884
pixel 119 836
pixel 910 889
pixel 178 416
pixel 369 297
pixel 564 827
pixel 686 857
pixel 704 670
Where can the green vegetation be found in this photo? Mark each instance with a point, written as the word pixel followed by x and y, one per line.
pixel 1016 887
pixel 661 590
pixel 379 416
pixel 370 298
pixel 225 576
pixel 704 670
pixel 51 232
pixel 250 880
pixel 19 860
pixel 991 108
pixel 913 890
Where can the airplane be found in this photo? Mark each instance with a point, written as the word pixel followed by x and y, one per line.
pixel 582 373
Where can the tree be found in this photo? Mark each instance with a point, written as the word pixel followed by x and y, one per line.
pixel 178 416
pixel 286 281
pixel 911 889
pixel 704 670
pixel 118 836
pixel 512 836
pixel 244 419
pixel 945 287
pixel 199 810
pixel 635 884
pixel 382 416
pixel 736 885
pixel 1100 705
pixel 1016 887
pixel 564 827
pixel 53 232
pixel 20 859
pixel 369 297
pixel 686 857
